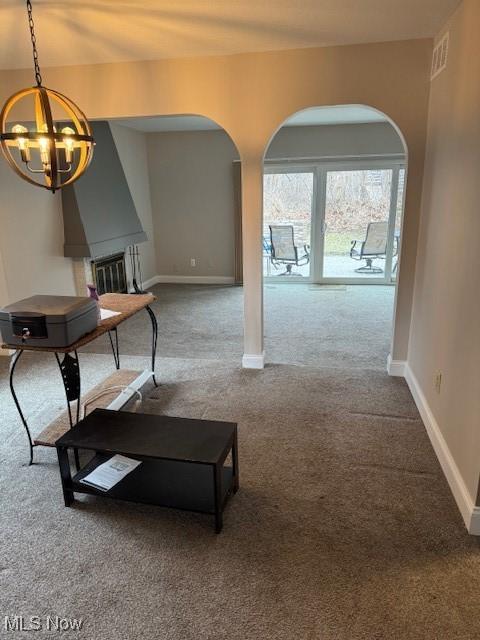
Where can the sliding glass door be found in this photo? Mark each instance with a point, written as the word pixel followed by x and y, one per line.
pixel 287 223
pixel 400 203
pixel 333 222
pixel 356 224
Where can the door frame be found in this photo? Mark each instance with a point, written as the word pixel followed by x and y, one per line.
pixel 295 167
pixel 320 168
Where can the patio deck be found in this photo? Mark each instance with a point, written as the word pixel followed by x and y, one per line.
pixel 335 267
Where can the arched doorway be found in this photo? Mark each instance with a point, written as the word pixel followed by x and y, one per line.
pixel 181 171
pixel 334 186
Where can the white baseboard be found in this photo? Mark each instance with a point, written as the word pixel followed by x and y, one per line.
pixel 185 280
pixel 149 283
pixel 253 361
pixel 465 502
pixel 191 280
pixel 395 367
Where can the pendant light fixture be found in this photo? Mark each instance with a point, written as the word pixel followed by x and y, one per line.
pixel 44 153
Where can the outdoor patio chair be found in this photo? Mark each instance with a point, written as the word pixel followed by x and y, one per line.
pixel 267 252
pixel 284 251
pixel 374 247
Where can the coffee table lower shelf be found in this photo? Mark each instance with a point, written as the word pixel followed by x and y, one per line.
pixel 189 486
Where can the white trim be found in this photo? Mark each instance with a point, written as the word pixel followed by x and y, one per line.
pixel 465 502
pixel 189 280
pixel 253 360
pixel 396 367
pixel 123 397
pixel 373 157
pixel 150 282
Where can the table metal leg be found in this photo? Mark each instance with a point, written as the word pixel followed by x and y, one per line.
pixel 114 345
pixel 217 486
pixel 65 475
pixel 13 364
pixel 70 370
pixel 154 322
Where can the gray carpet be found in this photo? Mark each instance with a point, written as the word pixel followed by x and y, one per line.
pixel 304 324
pixel 343 529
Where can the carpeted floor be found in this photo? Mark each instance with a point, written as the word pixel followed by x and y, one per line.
pixel 344 527
pixel 304 324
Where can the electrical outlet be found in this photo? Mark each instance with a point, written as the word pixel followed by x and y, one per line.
pixel 437 381
pixel 193 262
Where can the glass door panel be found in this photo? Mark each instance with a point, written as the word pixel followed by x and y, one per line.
pixel 287 221
pixel 356 223
pixel 398 222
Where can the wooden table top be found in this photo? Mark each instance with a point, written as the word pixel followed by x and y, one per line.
pixel 126 303
pixel 153 436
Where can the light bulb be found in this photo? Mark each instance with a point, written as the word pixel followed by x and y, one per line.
pixel 69 143
pixel 22 143
pixel 44 144
pixel 19 128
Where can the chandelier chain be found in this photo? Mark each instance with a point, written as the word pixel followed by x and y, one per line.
pixel 31 24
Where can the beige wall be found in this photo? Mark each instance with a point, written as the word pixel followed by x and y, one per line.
pixel 31 240
pixel 192 191
pixel 4 299
pixel 192 186
pixel 251 95
pixel 31 228
pixel 132 149
pixel 445 335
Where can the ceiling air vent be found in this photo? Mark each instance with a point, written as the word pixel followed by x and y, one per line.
pixel 440 54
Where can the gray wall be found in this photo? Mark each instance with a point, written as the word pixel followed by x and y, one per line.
pixel 191 181
pixel 192 187
pixel 335 140
pixel 132 149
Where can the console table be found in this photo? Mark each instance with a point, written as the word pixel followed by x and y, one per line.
pixel 67 357
pixel 182 460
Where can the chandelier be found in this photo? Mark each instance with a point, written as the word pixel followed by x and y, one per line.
pixel 51 147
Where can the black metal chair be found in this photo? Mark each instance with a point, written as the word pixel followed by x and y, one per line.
pixel 374 247
pixel 284 251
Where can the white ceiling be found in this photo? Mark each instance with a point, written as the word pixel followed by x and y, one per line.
pixel 317 116
pixel 93 31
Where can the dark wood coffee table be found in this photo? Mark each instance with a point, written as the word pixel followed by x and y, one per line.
pixel 183 460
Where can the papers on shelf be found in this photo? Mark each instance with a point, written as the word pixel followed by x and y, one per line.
pixel 108 474
pixel 106 313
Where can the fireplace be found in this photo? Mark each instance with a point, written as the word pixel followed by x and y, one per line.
pixel 120 272
pixel 109 274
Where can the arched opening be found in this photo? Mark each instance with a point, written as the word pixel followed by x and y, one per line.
pixel 334 187
pixel 181 171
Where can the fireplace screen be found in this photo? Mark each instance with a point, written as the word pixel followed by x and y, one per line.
pixel 110 274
